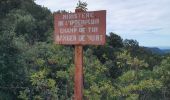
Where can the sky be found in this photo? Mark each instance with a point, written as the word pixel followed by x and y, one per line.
pixel 147 21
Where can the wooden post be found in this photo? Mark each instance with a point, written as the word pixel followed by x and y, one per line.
pixel 78 78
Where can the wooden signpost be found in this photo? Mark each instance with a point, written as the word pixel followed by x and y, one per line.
pixel 80 28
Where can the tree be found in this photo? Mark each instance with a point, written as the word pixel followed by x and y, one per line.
pixel 114 40
pixel 11 64
pixel 82 5
pixel 136 82
pixel 49 72
pixel 162 72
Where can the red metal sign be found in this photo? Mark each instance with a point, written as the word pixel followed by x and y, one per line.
pixel 81 28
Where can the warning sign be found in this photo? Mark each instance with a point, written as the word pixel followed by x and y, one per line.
pixel 82 28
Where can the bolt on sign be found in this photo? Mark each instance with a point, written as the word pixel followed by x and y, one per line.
pixel 80 28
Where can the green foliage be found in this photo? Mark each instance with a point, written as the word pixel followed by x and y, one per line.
pixel 7 5
pixel 163 73
pixel 136 82
pixel 5 96
pixel 18 30
pixel 97 84
pixel 142 53
pixel 49 71
pixel 82 5
pixel 131 63
pixel 114 40
pixel 32 68
pixel 11 62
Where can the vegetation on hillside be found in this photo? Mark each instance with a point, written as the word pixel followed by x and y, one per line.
pixel 33 68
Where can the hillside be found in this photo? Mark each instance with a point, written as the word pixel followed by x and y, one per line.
pixel 157 50
pixel 32 67
pixel 166 50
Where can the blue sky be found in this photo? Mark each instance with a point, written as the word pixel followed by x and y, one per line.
pixel 147 21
